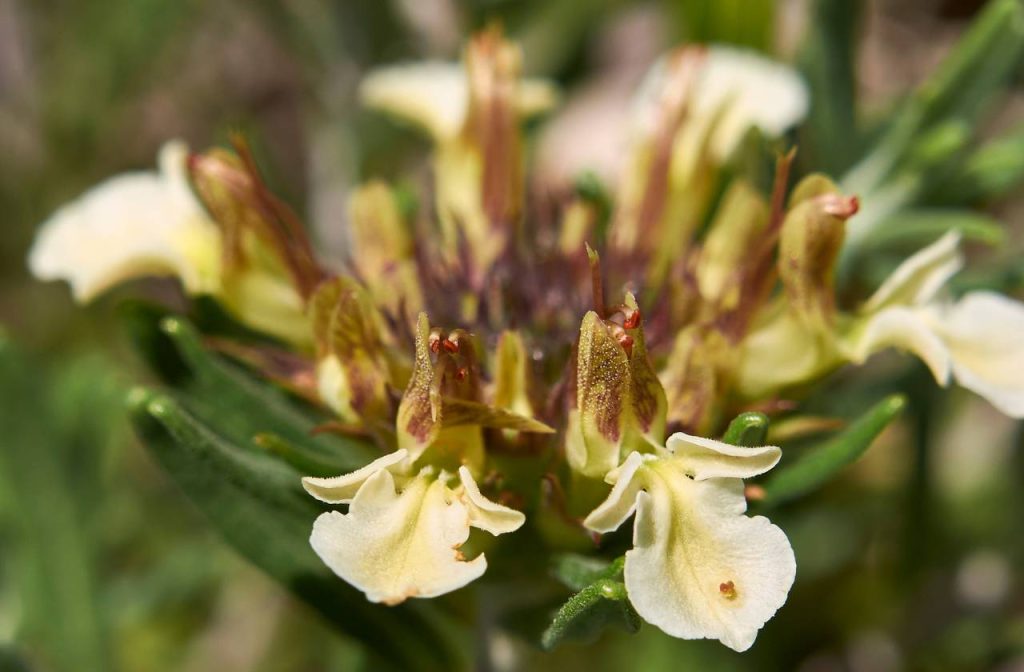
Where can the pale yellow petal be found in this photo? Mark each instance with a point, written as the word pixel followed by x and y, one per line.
pixel 699 568
pixel 621 501
pixel 341 489
pixel 706 458
pixel 131 226
pixel 984 332
pixel 905 328
pixel 396 543
pixel 919 277
pixel 485 514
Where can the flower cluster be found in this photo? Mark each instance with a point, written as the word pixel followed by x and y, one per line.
pixel 721 299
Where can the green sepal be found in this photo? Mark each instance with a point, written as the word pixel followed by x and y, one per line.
pixel 747 429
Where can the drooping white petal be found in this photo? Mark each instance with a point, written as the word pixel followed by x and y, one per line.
pixel 919 278
pixel 984 332
pixel 699 569
pixel 130 226
pixel 396 543
pixel 904 328
pixel 621 501
pixel 341 489
pixel 435 95
pixel 737 90
pixel 485 514
pixel 706 458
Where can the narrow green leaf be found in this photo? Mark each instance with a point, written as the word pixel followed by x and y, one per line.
pixel 980 66
pixel 922 226
pixel 45 466
pixel 992 171
pixel 299 458
pixel 600 603
pixel 257 503
pixel 830 134
pixel 216 390
pixel 747 429
pixel 824 462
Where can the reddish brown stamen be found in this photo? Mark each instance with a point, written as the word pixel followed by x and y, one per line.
pixel 728 590
pixel 632 320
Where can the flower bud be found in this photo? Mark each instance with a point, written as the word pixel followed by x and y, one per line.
pixel 812 234
pixel 620 404
pixel 260 232
pixel 442 408
pixel 354 368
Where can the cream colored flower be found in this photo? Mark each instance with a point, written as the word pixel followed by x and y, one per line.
pixel 736 90
pixel 131 226
pixel 699 568
pixel 976 340
pixel 434 95
pixel 403 530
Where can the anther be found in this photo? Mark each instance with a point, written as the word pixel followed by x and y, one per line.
pixel 450 345
pixel 632 320
pixel 728 590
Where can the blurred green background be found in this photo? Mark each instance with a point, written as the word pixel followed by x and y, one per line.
pixel 912 561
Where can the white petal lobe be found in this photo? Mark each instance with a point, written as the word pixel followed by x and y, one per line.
pixel 699 569
pixel 985 335
pixel 706 458
pixel 485 514
pixel 130 226
pixel 907 329
pixel 919 278
pixel 621 501
pixel 341 489
pixel 394 543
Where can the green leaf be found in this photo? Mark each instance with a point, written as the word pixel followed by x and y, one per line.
pixel 922 226
pixel 827 60
pixel 822 463
pixel 48 464
pixel 989 172
pixel 257 504
pixel 241 405
pixel 747 429
pixel 600 603
pixel 980 66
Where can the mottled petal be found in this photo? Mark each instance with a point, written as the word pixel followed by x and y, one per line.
pixel 706 458
pixel 699 569
pixel 131 226
pixel 920 277
pixel 985 336
pixel 485 514
pixel 904 328
pixel 396 543
pixel 341 489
